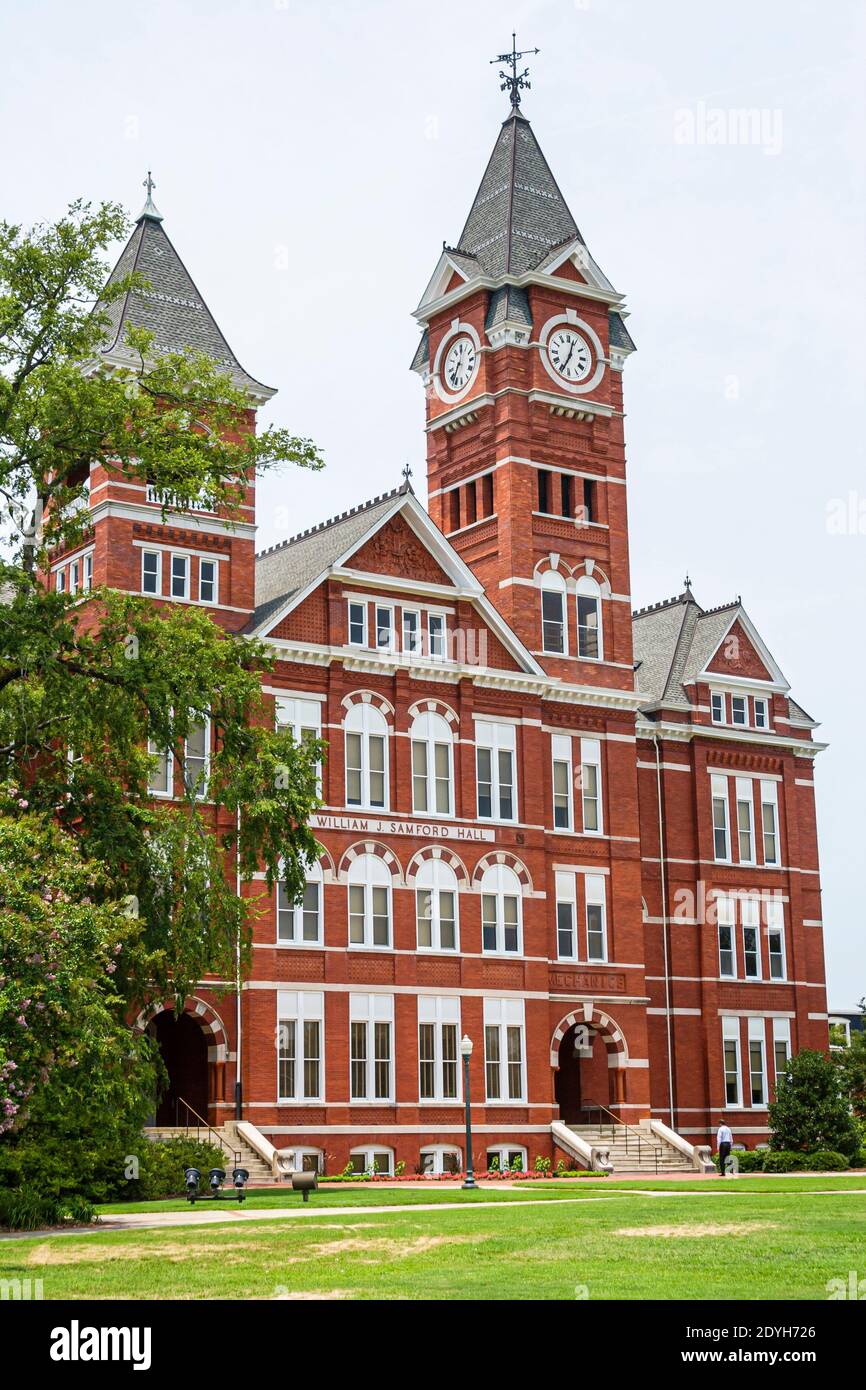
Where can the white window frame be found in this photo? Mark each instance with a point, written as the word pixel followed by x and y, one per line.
pixel 201 781
pixel 370 1153
pixel 87 572
pixel 595 895
pixel 498 882
pixel 738 701
pixel 437 1153
pixel 774 925
pixel 435 877
pixel 757 1036
pixel 215 566
pixel 300 1007
pixel 386 611
pixel 299 1154
pixel 75 575
pixel 590 757
pixel 438 1012
pixel 369 872
pixel 760 702
pixel 726 921
pixel 437 647
pixel 552 583
pixel 168 755
pixel 185 557
pixel 717 696
pixel 770 801
pixel 731 1034
pixel 430 731
pixel 565 881
pixel 781 1038
pixel 498 1150
pixel 370 1009
pixel 750 920
pixel 560 756
pixel 496 739
pixel 416 647
pixel 719 797
pixel 367 722
pixel 744 795
pixel 501 1015
pixel 294 915
pixel 153 555
pixel 587 587
pixel 60 581
pixel 364 607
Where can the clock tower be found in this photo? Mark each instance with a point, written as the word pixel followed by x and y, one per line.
pixel 522 351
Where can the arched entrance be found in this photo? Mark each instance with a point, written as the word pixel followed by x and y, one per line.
pixel 183 1048
pixel 587 1054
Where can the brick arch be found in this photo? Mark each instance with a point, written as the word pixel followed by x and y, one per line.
pixel 545 565
pixel 447 856
pixel 374 847
pixel 501 856
pixel 614 1038
pixel 434 706
pixel 204 1014
pixel 370 697
pixel 597 574
pixel 326 863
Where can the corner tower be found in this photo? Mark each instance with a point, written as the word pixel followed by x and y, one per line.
pixel 522 350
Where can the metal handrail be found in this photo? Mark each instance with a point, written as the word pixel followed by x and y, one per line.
pixel 616 1121
pixel 214 1135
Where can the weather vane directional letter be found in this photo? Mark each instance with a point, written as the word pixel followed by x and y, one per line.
pixel 516 81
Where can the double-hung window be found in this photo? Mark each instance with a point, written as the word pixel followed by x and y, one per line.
pixel 596 917
pixel 432 764
pixel 151 572
pixel 436 906
pixel 731 1051
pixel 725 917
pixel 774 915
pixel 160 781
pixel 496 770
pixel 501 916
pixel 438 1051
pixel 566 915
pixel 87 575
pixel 208 586
pixel 739 710
pixel 180 576
pixel 60 581
pixel 437 636
pixel 750 915
pixel 369 902
pixel 717 707
pixel 357 624
pixel 75 576
pixel 371 1028
pixel 781 1046
pixel 721 831
pixel 589 635
pixel 300 923
pixel 590 785
pixel 761 716
pixel 300 1029
pixel 304 718
pixel 562 779
pixel 554 632
pixel 770 822
pixel 384 628
pixel 366 757
pixel 757 1062
pixel 504 1049
pixel 196 760
pixel 412 631
pixel 745 820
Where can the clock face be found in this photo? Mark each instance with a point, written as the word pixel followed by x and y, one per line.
pixel 569 353
pixel 459 364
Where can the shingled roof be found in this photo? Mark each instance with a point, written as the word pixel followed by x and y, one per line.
pixel 519 214
pixel 171 308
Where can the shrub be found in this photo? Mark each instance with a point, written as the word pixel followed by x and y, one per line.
pixel 542 1165
pixel 811 1110
pixel 786 1161
pixel 162 1163
pixel 748 1160
pixel 26 1210
pixel 826 1161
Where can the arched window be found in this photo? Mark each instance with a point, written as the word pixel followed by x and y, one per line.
pixel 369 902
pixel 436 906
pixel 501 915
pixel 554 630
pixel 589 634
pixel 372 1161
pixel 432 765
pixel 439 1159
pixel 300 924
pixel 366 757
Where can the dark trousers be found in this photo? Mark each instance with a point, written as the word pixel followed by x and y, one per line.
pixel 724 1151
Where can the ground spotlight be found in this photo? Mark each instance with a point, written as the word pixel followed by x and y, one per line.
pixel 239 1177
pixel 305 1183
pixel 217 1178
pixel 192 1178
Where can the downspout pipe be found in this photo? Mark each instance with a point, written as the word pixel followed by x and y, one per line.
pixel 665 946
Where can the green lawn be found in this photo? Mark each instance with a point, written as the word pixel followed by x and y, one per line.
pixel 349 1195
pixel 775 1243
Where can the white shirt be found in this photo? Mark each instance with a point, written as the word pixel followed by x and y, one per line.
pixel 724 1135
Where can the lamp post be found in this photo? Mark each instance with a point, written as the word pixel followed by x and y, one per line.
pixel 466 1053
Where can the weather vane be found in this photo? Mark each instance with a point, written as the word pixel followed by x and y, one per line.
pixel 516 81
pixel 407 472
pixel 149 184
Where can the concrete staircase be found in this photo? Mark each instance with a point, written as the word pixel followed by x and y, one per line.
pixel 634 1151
pixel 232 1144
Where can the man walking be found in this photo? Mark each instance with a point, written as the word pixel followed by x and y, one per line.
pixel 724 1143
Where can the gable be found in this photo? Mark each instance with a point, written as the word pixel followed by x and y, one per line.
pixel 396 550
pixel 454 283
pixel 737 655
pixel 569 271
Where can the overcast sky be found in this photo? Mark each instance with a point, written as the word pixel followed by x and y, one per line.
pixel 310 158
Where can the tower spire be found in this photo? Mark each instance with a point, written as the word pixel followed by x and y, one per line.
pixel 150 209
pixel 514 83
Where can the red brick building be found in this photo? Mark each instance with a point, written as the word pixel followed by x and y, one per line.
pixel 582 837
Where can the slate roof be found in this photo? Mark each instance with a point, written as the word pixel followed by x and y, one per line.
pixel 673 642
pixel 422 353
pixel 284 569
pixel 172 307
pixel 618 333
pixel 519 214
pixel 508 304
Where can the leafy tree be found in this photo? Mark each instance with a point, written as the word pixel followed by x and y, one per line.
pixel 811 1110
pixel 87 680
pixel 851 1061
